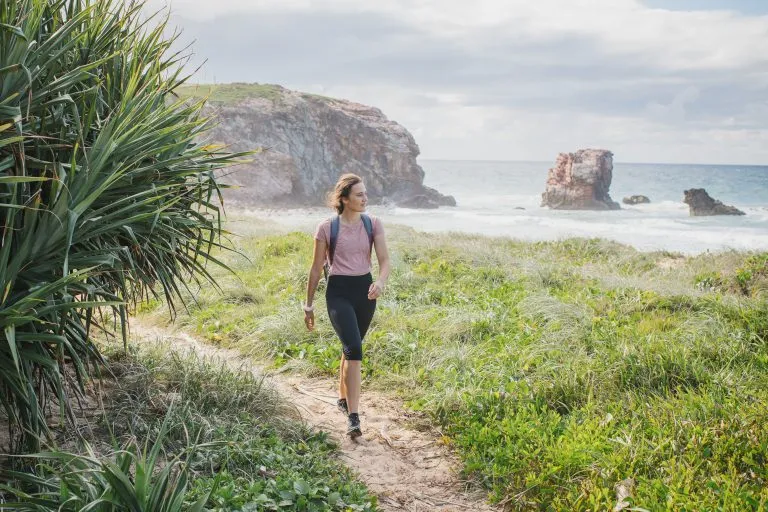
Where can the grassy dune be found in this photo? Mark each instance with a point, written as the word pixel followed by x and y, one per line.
pixel 566 374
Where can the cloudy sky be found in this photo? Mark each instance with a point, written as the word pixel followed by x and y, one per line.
pixel 651 80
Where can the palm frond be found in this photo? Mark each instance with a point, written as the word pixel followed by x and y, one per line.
pixel 107 189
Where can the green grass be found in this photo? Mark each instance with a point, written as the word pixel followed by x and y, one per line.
pixel 224 439
pixel 230 94
pixel 557 370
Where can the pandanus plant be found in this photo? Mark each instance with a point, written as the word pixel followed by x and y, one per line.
pixel 107 193
pixel 137 478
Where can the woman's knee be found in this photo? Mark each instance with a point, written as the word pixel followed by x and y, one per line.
pixel 353 352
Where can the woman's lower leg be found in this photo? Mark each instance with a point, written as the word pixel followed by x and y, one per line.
pixel 342 384
pixel 352 378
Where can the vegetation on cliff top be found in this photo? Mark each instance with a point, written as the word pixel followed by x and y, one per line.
pixel 562 372
pixel 230 93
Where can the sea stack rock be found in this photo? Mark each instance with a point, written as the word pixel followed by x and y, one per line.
pixel 580 181
pixel 309 141
pixel 701 204
pixel 636 199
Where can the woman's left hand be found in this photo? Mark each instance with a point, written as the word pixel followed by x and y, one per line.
pixel 375 290
pixel 309 320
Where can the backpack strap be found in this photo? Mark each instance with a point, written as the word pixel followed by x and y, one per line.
pixel 335 225
pixel 368 223
pixel 334 235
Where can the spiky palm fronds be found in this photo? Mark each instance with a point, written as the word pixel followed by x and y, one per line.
pixel 136 477
pixel 105 194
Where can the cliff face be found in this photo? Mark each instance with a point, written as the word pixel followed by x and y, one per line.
pixel 309 141
pixel 580 181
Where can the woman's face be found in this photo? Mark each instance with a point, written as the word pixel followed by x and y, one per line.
pixel 357 199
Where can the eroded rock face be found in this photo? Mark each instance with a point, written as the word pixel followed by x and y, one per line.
pixel 636 199
pixel 580 181
pixel 701 204
pixel 309 142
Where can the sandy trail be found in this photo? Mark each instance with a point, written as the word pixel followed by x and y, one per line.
pixel 407 469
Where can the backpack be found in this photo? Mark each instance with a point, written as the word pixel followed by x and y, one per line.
pixel 335 226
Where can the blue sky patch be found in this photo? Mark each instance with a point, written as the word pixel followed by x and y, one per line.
pixel 747 7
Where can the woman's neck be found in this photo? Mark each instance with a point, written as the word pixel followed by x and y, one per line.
pixel 350 217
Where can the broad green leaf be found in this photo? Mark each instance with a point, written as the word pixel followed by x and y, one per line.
pixel 301 487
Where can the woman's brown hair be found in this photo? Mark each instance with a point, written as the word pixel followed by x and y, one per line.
pixel 342 189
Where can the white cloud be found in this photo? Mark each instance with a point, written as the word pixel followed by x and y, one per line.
pixel 511 78
pixel 673 39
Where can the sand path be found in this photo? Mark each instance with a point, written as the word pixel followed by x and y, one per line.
pixel 407 469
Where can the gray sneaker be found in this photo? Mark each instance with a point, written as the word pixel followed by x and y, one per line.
pixel 341 404
pixel 353 426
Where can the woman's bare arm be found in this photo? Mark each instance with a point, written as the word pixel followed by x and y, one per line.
pixel 315 271
pixel 382 255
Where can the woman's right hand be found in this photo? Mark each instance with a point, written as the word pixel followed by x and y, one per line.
pixel 309 320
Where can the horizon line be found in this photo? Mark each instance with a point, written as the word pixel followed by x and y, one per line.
pixel 550 162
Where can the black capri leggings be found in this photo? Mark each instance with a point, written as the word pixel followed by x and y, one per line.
pixel 351 311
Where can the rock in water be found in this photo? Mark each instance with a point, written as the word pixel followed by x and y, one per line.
pixel 637 199
pixel 580 181
pixel 420 201
pixel 701 204
pixel 309 142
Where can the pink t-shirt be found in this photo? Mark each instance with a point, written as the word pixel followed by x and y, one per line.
pixel 352 256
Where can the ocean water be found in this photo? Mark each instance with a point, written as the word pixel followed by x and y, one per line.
pixel 503 199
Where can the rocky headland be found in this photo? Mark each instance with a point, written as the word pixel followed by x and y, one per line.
pixel 580 181
pixel 308 141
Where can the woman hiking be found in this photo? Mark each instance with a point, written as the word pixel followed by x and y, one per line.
pixel 346 241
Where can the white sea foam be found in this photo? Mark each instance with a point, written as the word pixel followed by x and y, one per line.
pixel 504 200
